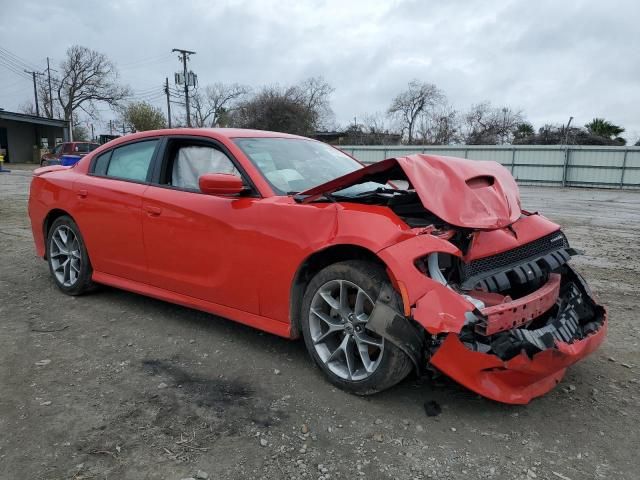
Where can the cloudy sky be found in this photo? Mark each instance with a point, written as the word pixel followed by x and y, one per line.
pixel 550 59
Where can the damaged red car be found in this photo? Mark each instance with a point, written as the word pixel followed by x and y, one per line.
pixel 409 264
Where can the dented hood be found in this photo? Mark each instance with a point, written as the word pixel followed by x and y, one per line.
pixel 465 193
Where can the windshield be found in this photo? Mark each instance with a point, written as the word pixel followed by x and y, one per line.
pixel 292 165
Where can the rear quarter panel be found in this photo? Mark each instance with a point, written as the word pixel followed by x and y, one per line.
pixel 50 189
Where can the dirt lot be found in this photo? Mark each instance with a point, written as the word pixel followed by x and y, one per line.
pixel 117 386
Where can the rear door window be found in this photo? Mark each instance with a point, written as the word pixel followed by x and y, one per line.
pixel 130 162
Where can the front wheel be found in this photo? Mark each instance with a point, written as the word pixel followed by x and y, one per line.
pixel 335 311
pixel 68 258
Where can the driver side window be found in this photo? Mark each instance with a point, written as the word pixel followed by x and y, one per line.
pixel 191 161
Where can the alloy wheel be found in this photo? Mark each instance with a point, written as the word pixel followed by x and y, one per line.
pixel 65 256
pixel 337 321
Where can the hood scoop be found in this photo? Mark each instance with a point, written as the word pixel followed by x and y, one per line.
pixel 465 193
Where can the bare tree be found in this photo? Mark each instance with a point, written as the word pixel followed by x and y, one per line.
pixel 487 125
pixel 314 92
pixel 27 108
pixel 410 104
pixel 87 77
pixel 209 107
pixel 299 109
pixel 46 103
pixel 439 126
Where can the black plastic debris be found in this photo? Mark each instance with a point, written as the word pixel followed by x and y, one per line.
pixel 432 408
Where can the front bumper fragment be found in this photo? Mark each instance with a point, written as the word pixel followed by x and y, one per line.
pixel 515 381
pixel 518 365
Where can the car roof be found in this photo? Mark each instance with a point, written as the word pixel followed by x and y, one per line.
pixel 213 132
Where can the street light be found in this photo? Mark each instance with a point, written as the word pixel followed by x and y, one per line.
pixel 566 133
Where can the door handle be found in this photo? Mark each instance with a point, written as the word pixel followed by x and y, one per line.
pixel 82 193
pixel 153 211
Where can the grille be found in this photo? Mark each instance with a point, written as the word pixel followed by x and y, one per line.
pixel 529 251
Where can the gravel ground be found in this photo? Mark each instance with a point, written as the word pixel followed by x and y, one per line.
pixel 115 385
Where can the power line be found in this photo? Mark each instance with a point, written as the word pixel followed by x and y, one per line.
pixel 12 67
pixel 18 60
pixel 145 62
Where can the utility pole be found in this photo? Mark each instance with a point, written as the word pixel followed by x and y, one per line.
pixel 166 90
pixel 184 56
pixel 123 131
pixel 50 91
pixel 110 127
pixel 35 89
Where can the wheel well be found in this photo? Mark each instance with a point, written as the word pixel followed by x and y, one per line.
pixel 312 265
pixel 48 221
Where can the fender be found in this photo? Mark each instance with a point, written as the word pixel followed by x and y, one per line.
pixel 435 307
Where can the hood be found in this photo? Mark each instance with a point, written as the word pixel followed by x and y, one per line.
pixel 465 193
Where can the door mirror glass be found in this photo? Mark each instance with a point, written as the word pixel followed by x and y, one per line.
pixel 221 184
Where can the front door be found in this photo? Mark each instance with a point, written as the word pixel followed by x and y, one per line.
pixel 200 245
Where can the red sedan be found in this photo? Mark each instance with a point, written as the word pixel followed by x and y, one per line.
pixel 411 263
pixel 79 149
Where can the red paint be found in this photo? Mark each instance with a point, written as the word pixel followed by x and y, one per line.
pixel 454 189
pixel 220 184
pixel 516 313
pixel 526 229
pixel 516 381
pixel 238 256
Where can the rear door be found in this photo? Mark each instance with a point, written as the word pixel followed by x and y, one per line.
pixel 200 245
pixel 110 208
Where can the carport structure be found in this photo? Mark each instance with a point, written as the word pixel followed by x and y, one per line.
pixel 22 136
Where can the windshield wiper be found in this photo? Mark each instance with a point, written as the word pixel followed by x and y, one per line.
pixel 326 196
pixel 380 190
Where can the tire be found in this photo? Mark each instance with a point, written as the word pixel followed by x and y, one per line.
pixel 375 364
pixel 74 276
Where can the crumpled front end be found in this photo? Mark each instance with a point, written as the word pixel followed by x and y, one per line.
pixel 518 364
pixel 506 325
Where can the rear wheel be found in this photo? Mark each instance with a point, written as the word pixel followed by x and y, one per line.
pixel 67 257
pixel 335 311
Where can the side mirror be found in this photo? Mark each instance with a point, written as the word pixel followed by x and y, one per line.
pixel 220 184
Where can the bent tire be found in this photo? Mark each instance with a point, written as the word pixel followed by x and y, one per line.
pixel 67 256
pixel 335 309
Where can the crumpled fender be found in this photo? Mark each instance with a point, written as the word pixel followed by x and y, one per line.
pixel 437 308
pixel 516 381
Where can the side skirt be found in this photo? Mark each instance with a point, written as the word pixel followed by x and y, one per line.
pixel 256 321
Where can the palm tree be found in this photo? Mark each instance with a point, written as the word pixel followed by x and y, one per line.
pixel 523 130
pixel 603 128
